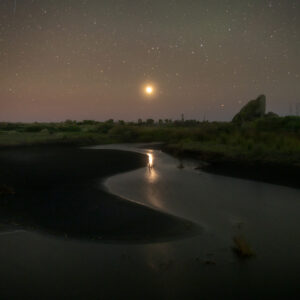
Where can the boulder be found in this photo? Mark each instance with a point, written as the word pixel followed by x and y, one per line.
pixel 254 109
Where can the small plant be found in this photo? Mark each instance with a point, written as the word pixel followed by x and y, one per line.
pixel 242 248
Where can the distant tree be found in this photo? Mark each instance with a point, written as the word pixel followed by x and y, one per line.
pixel 149 121
pixel 70 122
pixel 110 121
pixel 140 121
pixel 89 122
pixel 168 121
pixel 190 122
pixel 178 123
pixel 160 122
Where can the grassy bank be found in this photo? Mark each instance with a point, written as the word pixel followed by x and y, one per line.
pixel 269 141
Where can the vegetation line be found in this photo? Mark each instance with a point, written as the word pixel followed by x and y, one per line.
pixel 251 139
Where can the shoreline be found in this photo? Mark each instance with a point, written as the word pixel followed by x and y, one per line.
pixel 228 212
pixel 257 170
pixel 55 190
pixel 283 174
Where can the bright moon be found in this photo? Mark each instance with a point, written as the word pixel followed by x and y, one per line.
pixel 149 90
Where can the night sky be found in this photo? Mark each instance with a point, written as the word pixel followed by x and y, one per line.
pixel 90 59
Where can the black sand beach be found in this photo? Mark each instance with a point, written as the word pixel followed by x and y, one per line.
pixel 56 190
pixel 67 230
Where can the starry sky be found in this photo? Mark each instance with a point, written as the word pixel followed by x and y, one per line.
pixel 89 59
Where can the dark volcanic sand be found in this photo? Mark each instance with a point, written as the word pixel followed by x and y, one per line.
pixel 56 191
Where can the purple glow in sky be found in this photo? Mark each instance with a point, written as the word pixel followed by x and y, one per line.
pixel 89 59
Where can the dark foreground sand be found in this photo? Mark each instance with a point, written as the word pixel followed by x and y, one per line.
pixel 63 237
pixel 56 190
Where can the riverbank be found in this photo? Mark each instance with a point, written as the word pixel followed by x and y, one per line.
pixel 78 265
pixel 281 171
pixel 267 149
pixel 230 209
pixel 56 190
pixel 271 168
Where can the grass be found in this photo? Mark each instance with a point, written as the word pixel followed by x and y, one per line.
pixel 269 140
pixel 39 138
pixel 242 248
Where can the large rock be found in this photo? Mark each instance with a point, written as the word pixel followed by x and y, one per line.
pixel 254 109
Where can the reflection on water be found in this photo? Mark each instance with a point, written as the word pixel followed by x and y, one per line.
pixel 151 174
pixel 150 160
pixel 226 207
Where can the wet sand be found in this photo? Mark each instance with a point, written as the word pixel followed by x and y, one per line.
pixel 56 190
pixel 59 255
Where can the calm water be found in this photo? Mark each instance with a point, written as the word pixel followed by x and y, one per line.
pixel 37 265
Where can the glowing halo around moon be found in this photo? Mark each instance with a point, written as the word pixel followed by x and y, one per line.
pixel 149 90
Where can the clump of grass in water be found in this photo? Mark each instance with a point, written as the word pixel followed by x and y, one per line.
pixel 242 248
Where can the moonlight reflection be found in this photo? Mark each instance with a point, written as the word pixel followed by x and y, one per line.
pixel 150 160
pixel 151 174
